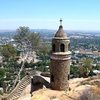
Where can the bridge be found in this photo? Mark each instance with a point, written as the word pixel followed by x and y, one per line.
pixel 37 81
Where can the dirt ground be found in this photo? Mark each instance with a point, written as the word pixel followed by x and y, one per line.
pixel 80 89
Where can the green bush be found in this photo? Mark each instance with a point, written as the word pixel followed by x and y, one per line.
pixel 2 73
pixel 74 71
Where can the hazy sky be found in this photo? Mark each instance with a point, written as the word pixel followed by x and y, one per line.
pixel 45 14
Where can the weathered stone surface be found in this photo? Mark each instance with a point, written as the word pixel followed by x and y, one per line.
pixel 60 70
pixel 37 82
pixel 60 61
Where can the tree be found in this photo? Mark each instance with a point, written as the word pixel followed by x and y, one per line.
pixel 87 62
pixel 86 68
pixel 27 41
pixel 2 73
pixel 22 34
pixel 35 41
pixel 8 52
pixel 74 70
pixel 43 54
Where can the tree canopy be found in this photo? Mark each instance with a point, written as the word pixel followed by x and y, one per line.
pixel 8 52
pixel 27 39
pixel 22 34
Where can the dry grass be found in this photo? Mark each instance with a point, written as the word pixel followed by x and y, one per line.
pixel 96 90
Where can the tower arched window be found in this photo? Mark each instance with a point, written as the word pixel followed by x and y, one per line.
pixel 68 76
pixel 53 47
pixel 62 47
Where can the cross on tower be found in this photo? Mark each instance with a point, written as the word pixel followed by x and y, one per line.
pixel 61 22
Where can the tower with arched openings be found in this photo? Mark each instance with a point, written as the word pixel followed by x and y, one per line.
pixel 60 60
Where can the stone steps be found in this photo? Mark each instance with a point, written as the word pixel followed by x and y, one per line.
pixel 16 93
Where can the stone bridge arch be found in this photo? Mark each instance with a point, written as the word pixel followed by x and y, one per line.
pixel 38 82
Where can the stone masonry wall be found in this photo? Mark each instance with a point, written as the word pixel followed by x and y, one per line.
pixel 60 71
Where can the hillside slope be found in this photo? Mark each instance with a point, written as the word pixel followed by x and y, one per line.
pixel 80 89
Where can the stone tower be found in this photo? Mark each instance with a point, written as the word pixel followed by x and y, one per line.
pixel 60 60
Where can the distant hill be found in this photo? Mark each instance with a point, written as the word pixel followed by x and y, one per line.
pixel 49 32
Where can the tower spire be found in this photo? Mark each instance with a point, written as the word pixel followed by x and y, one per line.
pixel 60 32
pixel 61 22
